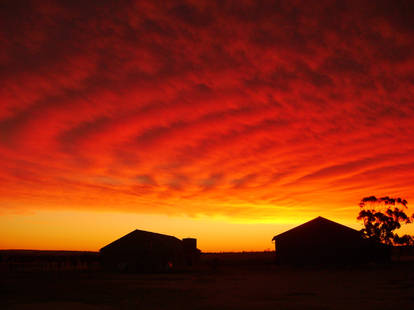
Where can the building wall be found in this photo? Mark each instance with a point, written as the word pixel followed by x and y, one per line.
pixel 331 246
pixel 143 260
pixel 142 251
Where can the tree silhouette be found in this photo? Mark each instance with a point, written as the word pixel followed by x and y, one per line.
pixel 381 217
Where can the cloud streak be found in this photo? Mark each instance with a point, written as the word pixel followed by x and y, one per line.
pixel 250 109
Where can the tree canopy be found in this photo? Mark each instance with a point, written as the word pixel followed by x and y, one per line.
pixel 382 216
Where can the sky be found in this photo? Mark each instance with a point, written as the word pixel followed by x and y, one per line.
pixel 228 121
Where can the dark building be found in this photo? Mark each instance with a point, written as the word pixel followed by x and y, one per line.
pixel 143 251
pixel 321 241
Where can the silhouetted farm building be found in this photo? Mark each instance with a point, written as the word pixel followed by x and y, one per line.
pixel 321 241
pixel 145 251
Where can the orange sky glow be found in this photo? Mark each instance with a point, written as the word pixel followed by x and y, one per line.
pixel 228 121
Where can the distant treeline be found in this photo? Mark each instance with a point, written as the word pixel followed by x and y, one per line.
pixel 33 260
pixel 238 258
pixel 403 253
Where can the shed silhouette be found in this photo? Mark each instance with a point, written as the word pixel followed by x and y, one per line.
pixel 322 241
pixel 144 251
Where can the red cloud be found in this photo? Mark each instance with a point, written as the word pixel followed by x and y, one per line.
pixel 245 108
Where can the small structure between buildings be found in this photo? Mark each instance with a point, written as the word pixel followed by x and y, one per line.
pixel 144 251
pixel 321 241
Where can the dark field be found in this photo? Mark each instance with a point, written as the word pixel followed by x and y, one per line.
pixel 221 282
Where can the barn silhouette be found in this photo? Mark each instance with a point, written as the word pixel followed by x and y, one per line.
pixel 322 241
pixel 144 251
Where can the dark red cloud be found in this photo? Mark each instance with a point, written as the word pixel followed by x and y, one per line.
pixel 245 108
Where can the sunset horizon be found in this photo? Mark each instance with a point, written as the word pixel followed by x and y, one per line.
pixel 229 122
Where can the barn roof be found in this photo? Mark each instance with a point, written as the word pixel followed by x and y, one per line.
pixel 138 236
pixel 317 223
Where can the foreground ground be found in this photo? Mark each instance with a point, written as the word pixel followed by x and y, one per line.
pixel 221 287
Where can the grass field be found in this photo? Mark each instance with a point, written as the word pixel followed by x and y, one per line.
pixel 222 286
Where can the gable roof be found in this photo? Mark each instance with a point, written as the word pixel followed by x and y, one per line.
pixel 137 237
pixel 318 223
